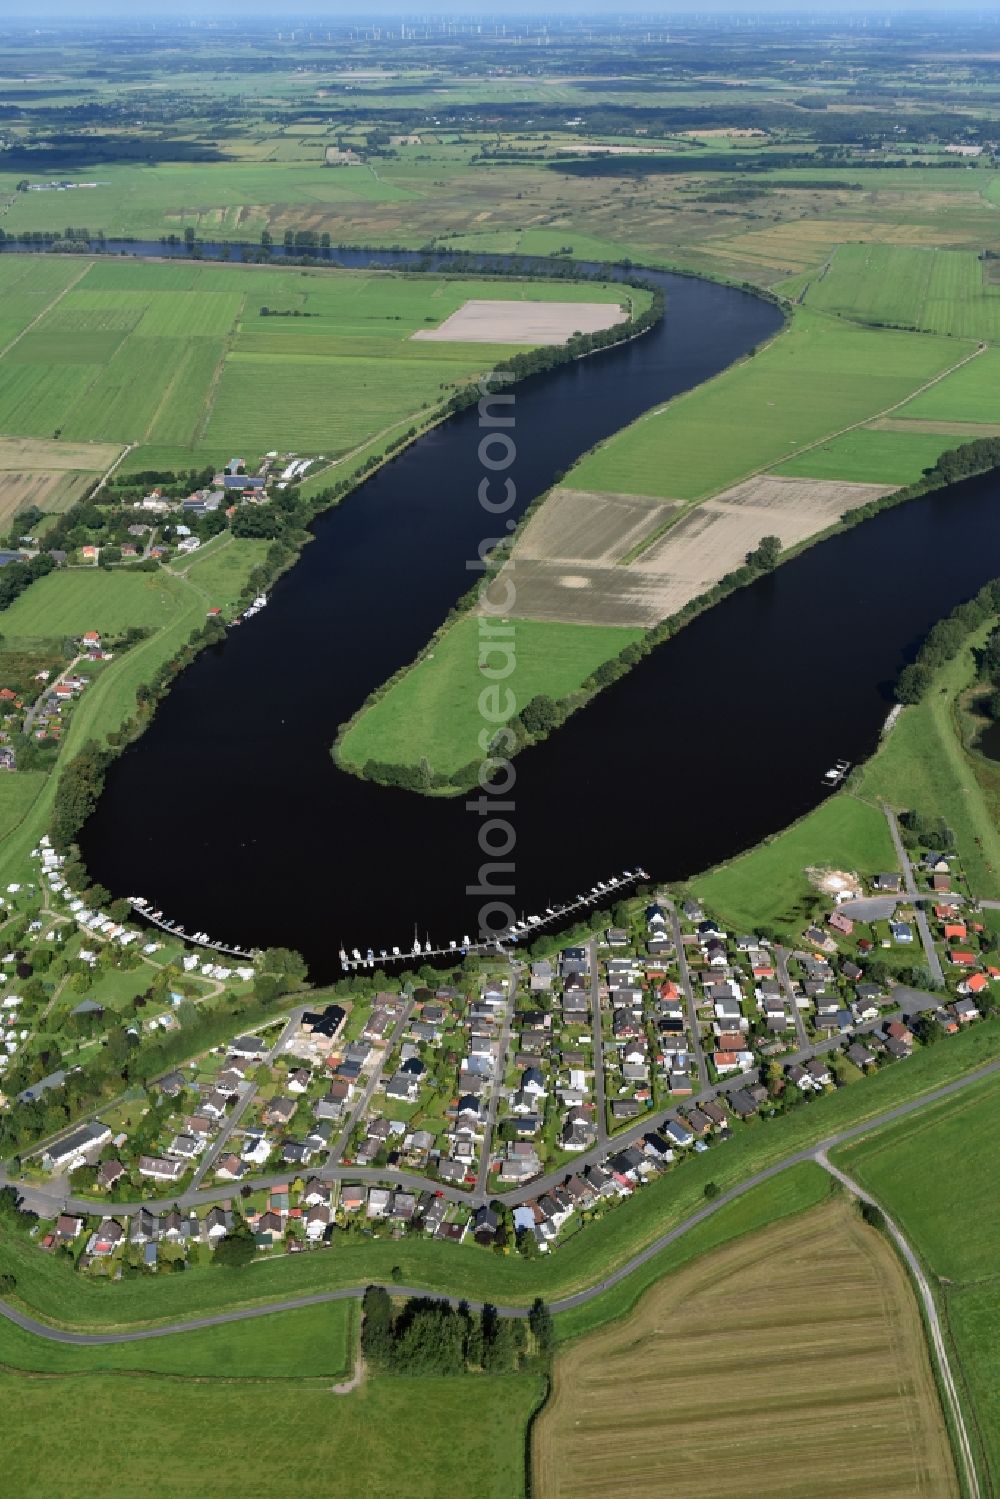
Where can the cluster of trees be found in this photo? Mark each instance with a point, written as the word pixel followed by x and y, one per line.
pixel 947 638
pixel 429 1336
pixel 17 576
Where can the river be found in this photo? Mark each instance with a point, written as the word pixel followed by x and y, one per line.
pixel 230 814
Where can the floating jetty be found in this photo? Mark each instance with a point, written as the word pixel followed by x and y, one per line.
pixel 503 941
pixel 142 908
pixel 836 773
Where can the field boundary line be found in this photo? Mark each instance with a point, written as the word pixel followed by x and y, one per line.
pixel 767 468
pixel 937 1343
pixel 46 309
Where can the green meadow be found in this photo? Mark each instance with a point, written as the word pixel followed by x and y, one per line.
pixel 933 290
pixel 819 375
pixel 872 455
pixel 971 394
pixel 199 358
pixel 155 1438
pixel 929 1174
pixel 433 712
pixel 769 884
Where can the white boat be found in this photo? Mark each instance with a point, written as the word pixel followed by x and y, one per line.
pixel 395 952
pixel 355 954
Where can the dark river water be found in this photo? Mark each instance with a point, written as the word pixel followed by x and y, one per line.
pixel 230 814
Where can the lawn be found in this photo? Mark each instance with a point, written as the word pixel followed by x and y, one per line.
pixel 768 885
pixel 433 712
pixel 413 1439
pixel 929 1174
pixel 818 376
pixel 763 1362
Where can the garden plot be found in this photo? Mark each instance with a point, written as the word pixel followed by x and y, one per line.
pixel 491 322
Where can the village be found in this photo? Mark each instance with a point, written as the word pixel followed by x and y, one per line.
pixel 504 1108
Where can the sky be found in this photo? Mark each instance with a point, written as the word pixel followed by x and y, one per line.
pixel 284 15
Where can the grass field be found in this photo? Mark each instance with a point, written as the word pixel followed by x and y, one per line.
pixel 220 570
pixel 433 712
pixel 929 1174
pixel 923 764
pixel 317 1342
pixel 873 455
pixel 935 290
pixel 724 1380
pixel 818 376
pixel 769 884
pixel 969 395
pixel 182 356
pixel 65 604
pixel 412 1439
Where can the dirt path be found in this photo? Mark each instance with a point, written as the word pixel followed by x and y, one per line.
pixel 357 1379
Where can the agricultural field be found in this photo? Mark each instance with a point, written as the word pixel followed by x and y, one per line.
pixel 817 377
pixel 929 1174
pixel 433 712
pixel 306 1438
pixel 969 395
pixel 892 453
pixel 48 475
pixel 719 1384
pixel 933 290
pixel 657 574
pixel 202 358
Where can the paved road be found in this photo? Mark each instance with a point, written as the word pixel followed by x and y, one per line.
pixel 920 915
pixel 597 1022
pixel 361 1106
pixel 50 1200
pixel 692 1009
pixel 496 1088
pixel 579 1298
pixel 781 957
pixel 933 1321
pixel 246 1097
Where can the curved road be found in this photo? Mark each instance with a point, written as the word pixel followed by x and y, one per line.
pixel 579 1298
pixel 48 1199
pixel 933 1321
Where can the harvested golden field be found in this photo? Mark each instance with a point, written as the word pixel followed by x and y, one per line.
pixel 575 525
pixel 789 1363
pixel 563 574
pixel 47 453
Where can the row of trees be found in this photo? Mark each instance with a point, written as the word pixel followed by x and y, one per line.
pixel 429 1336
pixel 947 638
